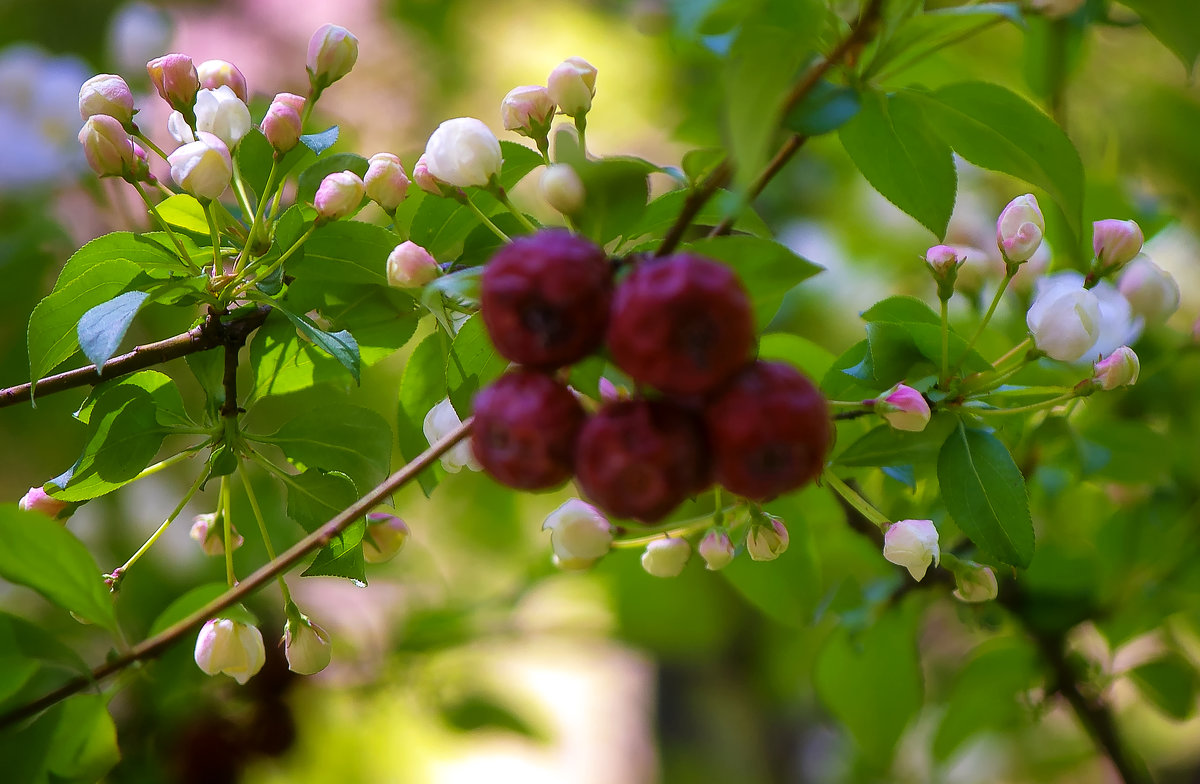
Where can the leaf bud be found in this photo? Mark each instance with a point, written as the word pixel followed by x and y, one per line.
pixel 463 152
pixel 332 52
pixel 339 196
pixel 203 168
pixel 442 420
pixel 666 557
pixel 572 85
pixel 1116 243
pixel 230 647
pixel 1019 229
pixel 106 94
pixel 385 536
pixel 409 266
pixel 175 78
pixel 209 531
pixel 579 534
pixel 562 189
pixel 768 540
pixel 904 408
pixel 716 549
pixel 219 73
pixel 912 544
pixel 1118 369
pixel 386 181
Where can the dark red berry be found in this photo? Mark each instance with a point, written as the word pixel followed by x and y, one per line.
pixel 526 428
pixel 545 298
pixel 641 458
pixel 769 430
pixel 682 324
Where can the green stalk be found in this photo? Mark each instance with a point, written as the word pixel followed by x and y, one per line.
pixel 484 219
pixel 183 254
pixel 227 533
pixel 1010 271
pixel 119 573
pixel 857 501
pixel 262 529
pixel 215 234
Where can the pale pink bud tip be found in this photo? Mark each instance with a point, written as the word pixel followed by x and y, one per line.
pixel 942 258
pixel 572 85
pixel 666 557
pixel 107 147
pixel 409 266
pixel 912 544
pixel 386 181
pixel 904 408
pixel 1119 369
pixel 1151 291
pixel 528 110
pixel 386 535
pixel 230 647
pixel 332 52
pixel 440 422
pixel 1116 242
pixel 579 534
pixel 281 126
pixel 306 646
pixel 463 152
pixel 339 195
pixel 219 73
pixel 1019 229
pixel 766 542
pixel 106 94
pixel 424 179
pixel 175 78
pixel 209 533
pixel 37 500
pixel 716 549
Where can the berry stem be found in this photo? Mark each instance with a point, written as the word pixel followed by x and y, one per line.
pixel 1012 352
pixel 1032 407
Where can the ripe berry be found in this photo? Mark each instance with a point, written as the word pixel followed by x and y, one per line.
pixel 769 430
pixel 682 324
pixel 641 458
pixel 526 428
pixel 545 299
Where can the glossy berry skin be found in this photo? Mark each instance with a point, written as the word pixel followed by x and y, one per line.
pixel 545 299
pixel 526 428
pixel 682 324
pixel 769 430
pixel 641 458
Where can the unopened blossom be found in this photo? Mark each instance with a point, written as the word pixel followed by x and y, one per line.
pixel 339 195
pixel 1118 369
pixel 975 583
pixel 175 78
pixel 1116 243
pixel 463 152
pixel 332 52
pixel 37 500
pixel 106 94
pixel 442 420
pixel 107 146
pixel 409 266
pixel 385 536
pixel 177 126
pixel 224 115
pixel 203 168
pixel 282 126
pixel 386 181
pixel 425 179
pixel 562 188
pixel 666 557
pixel 1064 316
pixel 1019 229
pixel 904 408
pixel 767 541
pixel 219 73
pixel 1152 293
pixel 209 532
pixel 229 647
pixel 912 544
pixel 716 549
pixel 579 534
pixel 572 85
pixel 528 110
pixel 305 645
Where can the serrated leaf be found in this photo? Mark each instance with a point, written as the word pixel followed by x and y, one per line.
pixel 32 660
pixel 84 745
pixel 892 144
pixel 340 345
pixel 422 386
pixel 826 108
pixel 902 309
pixel 354 441
pixel 322 141
pixel 985 493
pixel 346 252
pixel 102 328
pixel 254 158
pixel 42 554
pixel 472 364
pixel 185 212
pixel 150 252
pixel 185 605
pixel 767 269
pixel 1174 22
pixel 886 446
pixel 927 31
pixel 661 213
pixel 310 179
pixel 786 589
pixel 314 498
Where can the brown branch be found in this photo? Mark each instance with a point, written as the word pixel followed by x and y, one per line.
pixel 208 335
pixel 152 647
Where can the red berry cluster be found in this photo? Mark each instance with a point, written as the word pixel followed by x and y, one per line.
pixel 681 324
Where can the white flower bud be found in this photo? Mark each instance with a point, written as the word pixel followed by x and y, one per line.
pixel 387 184
pixel 572 85
pixel 912 544
pixel 1064 322
pixel 904 408
pixel 107 147
pixel 332 52
pixel 339 195
pixel 666 557
pixel 385 536
pixel 203 168
pixel 1119 369
pixel 306 645
pixel 1150 290
pixel 975 583
pixel 37 500
pixel 177 126
pixel 210 534
pixel 562 189
pixel 230 647
pixel 528 110
pixel 106 94
pixel 424 179
pixel 579 534
pixel 716 549
pixel 766 542
pixel 222 113
pixel 442 420
pixel 219 73
pixel 409 266
pixel 463 152
pixel 1116 242
pixel 1020 228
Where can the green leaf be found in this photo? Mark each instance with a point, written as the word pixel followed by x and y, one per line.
pixel 985 493
pixel 284 362
pixel 661 213
pixel 354 441
pixel 84 746
pixel 872 681
pixel 767 269
pixel 381 319
pixel 479 711
pixel 984 696
pixel 892 143
pixel 1174 22
pixel 32 660
pixel 1170 682
pixel 185 212
pixel 52 325
pixel 310 179
pixel 472 364
pixel 102 328
pixel 928 31
pixel 826 108
pixel 315 497
pixel 997 129
pixel 185 605
pixel 320 142
pixel 902 310
pixel 886 446
pixel 422 386
pixel 340 345
pixel 346 252
pixel 150 252
pixel 814 360
pixel 254 158
pixel 42 554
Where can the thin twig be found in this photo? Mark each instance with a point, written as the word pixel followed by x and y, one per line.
pixel 774 166
pixel 152 647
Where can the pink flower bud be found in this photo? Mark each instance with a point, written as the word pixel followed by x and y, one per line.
pixel 332 52
pixel 1116 242
pixel 912 544
pixel 385 536
pixel 339 195
pixel 610 392
pixel 291 99
pixel 666 557
pixel 107 147
pixel 1119 369
pixel 562 189
pixel 305 645
pixel 528 110
pixel 175 78
pixel 37 500
pixel 218 73
pixel 221 113
pixel 106 94
pixel 463 152
pixel 387 184
pixel 579 534
pixel 716 549
pixel 203 168
pixel 904 408
pixel 943 259
pixel 281 126
pixel 572 85
pixel 209 532
pixel 230 647
pixel 975 583
pixel 409 266
pixel 1152 293
pixel 766 542
pixel 141 165
pixel 1019 229
pixel 425 179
